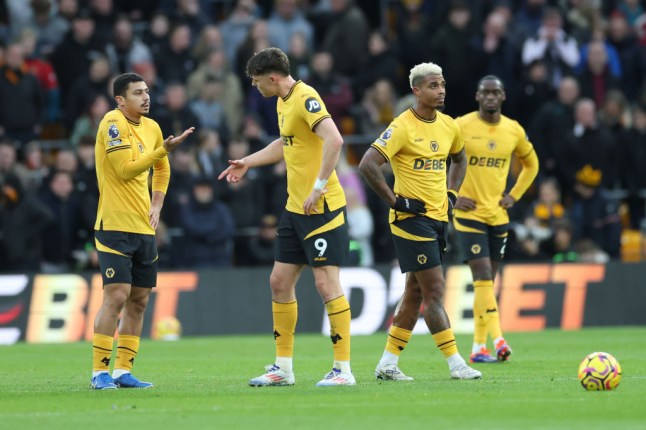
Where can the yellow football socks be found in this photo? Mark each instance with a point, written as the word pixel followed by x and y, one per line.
pixel 485 309
pixel 338 311
pixel 101 352
pixel 445 341
pixel 127 348
pixel 285 316
pixel 397 339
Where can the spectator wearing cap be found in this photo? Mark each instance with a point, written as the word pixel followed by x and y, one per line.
pixel 594 215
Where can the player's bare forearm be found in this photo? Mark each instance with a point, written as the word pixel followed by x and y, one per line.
pixel 457 170
pixel 370 168
pixel 157 199
pixel 156 205
pixel 332 144
pixel 270 154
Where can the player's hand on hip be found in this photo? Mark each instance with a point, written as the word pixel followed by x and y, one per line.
pixel 172 142
pixel 465 204
pixel 309 205
pixel 235 171
pixel 507 201
pixel 408 205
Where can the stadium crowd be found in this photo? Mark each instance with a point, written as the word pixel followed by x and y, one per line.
pixel 574 73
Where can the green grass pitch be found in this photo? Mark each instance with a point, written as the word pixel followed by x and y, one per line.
pixel 202 383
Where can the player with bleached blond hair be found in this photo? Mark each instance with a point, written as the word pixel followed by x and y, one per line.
pixel 417 144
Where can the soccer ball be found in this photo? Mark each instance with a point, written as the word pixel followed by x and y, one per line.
pixel 168 328
pixel 599 371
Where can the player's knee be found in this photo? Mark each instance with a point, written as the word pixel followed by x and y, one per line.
pixel 434 293
pixel 137 304
pixel 279 284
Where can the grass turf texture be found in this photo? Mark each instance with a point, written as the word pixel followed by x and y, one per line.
pixel 202 383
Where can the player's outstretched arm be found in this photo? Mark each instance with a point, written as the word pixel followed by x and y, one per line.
pixel 270 154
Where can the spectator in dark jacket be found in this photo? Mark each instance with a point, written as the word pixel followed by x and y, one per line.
pixel 632 143
pixel 347 37
pixel 71 59
pixel 23 218
pixel 450 49
pixel 22 110
pixel 174 62
pixel 61 237
pixel 594 215
pixel 209 228
pixel 333 89
pixel 176 115
pixel 381 63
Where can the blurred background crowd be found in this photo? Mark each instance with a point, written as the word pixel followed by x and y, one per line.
pixel 574 72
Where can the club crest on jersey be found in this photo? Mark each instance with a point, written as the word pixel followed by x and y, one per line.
pixel 491 145
pixel 113 131
pixel 434 146
pixel 312 105
pixel 141 147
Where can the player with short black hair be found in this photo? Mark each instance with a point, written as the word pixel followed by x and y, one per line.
pixel 417 144
pixel 128 144
pixel 312 229
pixel 481 220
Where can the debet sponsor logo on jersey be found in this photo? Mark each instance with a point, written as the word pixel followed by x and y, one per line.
pixel 487 161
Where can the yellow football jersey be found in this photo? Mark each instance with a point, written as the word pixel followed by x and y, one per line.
pixel 124 153
pixel 417 149
pixel 298 113
pixel 489 149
